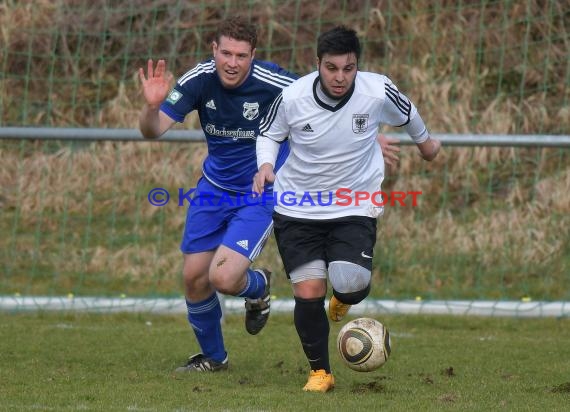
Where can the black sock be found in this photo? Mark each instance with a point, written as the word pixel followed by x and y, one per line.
pixel 312 326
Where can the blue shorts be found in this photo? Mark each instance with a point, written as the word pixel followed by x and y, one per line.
pixel 218 217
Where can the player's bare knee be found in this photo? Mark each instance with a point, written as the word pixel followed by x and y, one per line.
pixel 195 273
pixel 226 280
pixel 219 280
pixel 195 282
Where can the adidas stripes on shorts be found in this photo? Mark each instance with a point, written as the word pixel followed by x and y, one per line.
pixel 219 217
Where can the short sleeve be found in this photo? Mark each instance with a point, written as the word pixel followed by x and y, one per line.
pixel 398 109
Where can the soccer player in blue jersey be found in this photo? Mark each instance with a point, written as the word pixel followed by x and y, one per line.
pixel 223 233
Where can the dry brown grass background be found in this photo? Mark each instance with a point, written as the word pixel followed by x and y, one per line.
pixel 493 222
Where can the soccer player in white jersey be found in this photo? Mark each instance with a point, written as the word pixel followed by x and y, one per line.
pixel 330 118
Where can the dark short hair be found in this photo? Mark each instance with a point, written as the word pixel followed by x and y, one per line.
pixel 340 40
pixel 239 29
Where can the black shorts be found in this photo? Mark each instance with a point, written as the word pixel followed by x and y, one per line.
pixel 349 239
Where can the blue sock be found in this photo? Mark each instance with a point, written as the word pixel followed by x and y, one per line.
pixel 255 286
pixel 205 319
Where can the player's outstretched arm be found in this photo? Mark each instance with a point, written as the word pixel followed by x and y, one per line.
pixel 429 148
pixel 155 87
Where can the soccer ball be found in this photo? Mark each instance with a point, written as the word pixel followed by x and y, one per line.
pixel 364 344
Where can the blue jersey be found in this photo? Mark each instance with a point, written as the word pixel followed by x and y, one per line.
pixel 229 118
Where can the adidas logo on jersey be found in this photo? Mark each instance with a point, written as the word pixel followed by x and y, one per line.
pixel 211 105
pixel 307 128
pixel 243 244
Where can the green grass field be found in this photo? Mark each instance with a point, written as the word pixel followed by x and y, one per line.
pixel 124 362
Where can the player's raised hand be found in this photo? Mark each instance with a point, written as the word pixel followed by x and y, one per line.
pixel 263 176
pixel 156 83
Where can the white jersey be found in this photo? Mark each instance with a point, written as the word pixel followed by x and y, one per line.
pixel 335 159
